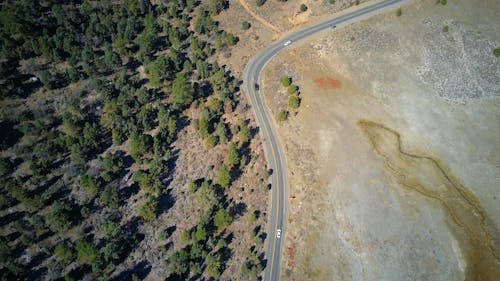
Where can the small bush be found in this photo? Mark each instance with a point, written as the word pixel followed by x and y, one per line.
pixel 294 101
pixel 185 237
pixel 285 81
pixel 87 252
pixel 283 115
pixel 260 2
pixel 303 7
pixel 147 210
pixel 245 25
pixel 331 1
pixel 211 141
pixel 399 12
pixel 63 254
pixel 46 79
pixel 496 52
pixel 292 89
pixel 446 28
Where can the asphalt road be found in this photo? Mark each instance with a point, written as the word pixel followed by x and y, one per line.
pixel 272 147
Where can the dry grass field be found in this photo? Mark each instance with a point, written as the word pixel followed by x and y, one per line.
pixel 393 153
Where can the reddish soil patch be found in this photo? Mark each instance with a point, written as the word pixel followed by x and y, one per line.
pixel 326 83
pixel 291 257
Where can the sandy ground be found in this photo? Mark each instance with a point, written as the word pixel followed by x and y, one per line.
pixel 394 160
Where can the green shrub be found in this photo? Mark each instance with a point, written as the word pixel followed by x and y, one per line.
pixel 233 156
pixel 294 101
pixel 496 52
pixel 303 7
pixel 63 254
pixel 87 252
pixel 245 25
pixel 211 141
pixel 285 81
pixel 224 178
pixel 193 186
pixel 222 219
pixel 244 133
pixel 185 237
pixel 399 12
pixel 283 115
pixel 292 89
pixel 89 184
pixel 147 210
pixel 110 197
pixel 446 28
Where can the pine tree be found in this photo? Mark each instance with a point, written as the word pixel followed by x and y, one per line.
pixel 233 158
pixel 224 178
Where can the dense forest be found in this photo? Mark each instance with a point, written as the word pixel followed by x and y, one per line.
pixel 94 98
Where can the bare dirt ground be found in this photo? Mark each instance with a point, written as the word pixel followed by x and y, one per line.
pixel 393 155
pixel 268 23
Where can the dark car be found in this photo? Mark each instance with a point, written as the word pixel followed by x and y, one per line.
pixel 256 86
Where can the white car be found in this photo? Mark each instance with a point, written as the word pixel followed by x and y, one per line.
pixel 278 233
pixel 287 43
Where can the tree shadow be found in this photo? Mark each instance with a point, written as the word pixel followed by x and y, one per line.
pixel 225 255
pixel 59 162
pixel 133 65
pixel 61 193
pixel 204 90
pixel 127 161
pixel 75 214
pixel 80 272
pixel 105 143
pixel 171 164
pixel 166 201
pixel 263 236
pixel 140 270
pixel 257 214
pixel 262 259
pixel 11 217
pixel 257 228
pixel 130 229
pixel 129 190
pixel 238 209
pixel 130 239
pixel 170 230
pixel 36 274
pixel 37 260
pixel 254 131
pixel 182 122
pixel 229 238
pixel 9 135
pixel 52 190
pixel 175 277
pixel 235 173
pixel 21 85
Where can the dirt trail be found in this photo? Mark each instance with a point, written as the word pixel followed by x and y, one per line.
pixel 257 17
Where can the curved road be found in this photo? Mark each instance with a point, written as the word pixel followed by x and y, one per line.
pixel 272 148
